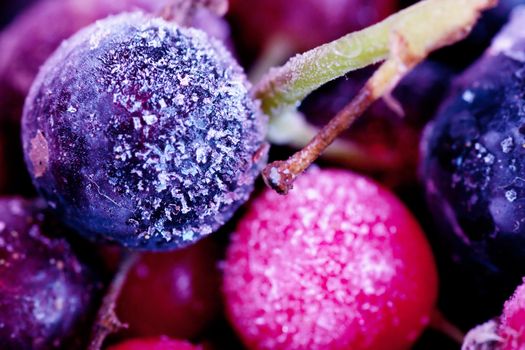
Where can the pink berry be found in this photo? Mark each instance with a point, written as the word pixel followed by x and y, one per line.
pixel 155 344
pixel 339 263
pixel 512 322
pixel 305 23
pixel 504 333
pixel 174 294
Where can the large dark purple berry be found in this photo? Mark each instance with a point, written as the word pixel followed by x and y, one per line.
pixel 142 132
pixel 29 41
pixel 45 291
pixel 474 161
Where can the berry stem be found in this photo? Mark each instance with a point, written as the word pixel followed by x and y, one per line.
pixel 107 321
pixel 412 35
pixel 441 324
pixel 426 26
pixel 292 129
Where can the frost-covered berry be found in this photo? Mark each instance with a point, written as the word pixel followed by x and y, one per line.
pixel 155 344
pixel 473 165
pixel 36 33
pixel 504 333
pixel 512 322
pixel 45 291
pixel 142 132
pixel 338 263
pixel 27 43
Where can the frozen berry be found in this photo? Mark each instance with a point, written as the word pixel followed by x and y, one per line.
pixel 338 263
pixel 150 137
pixel 304 24
pixel 504 333
pixel 512 322
pixel 32 37
pixel 155 344
pixel 45 291
pixel 472 169
pixel 174 294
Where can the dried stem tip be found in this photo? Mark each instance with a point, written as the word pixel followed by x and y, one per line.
pixel 107 321
pixel 413 34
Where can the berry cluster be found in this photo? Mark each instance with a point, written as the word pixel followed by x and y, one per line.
pixel 142 136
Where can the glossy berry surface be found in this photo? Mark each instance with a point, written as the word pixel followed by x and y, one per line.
pixel 304 24
pixel 338 263
pixel 155 344
pixel 174 294
pixel 472 169
pixel 149 138
pixel 45 291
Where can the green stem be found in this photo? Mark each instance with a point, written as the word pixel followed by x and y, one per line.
pixel 292 129
pixel 427 24
pixel 413 34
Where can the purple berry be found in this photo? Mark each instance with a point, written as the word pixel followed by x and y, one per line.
pixel 28 42
pixel 473 171
pixel 45 291
pixel 144 133
pixel 33 36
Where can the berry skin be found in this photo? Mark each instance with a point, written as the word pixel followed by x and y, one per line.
pixel 504 333
pixel 304 23
pixel 512 322
pixel 150 138
pixel 155 344
pixel 31 38
pixel 174 294
pixel 34 35
pixel 45 291
pixel 338 263
pixel 472 170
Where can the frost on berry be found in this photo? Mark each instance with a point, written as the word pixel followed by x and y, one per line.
pixel 152 139
pixel 336 264
pixel 512 322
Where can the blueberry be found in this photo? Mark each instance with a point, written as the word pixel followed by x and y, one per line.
pixel 144 133
pixel 474 160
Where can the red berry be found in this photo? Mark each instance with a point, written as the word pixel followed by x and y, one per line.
pixel 155 344
pixel 512 326
pixel 175 294
pixel 337 264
